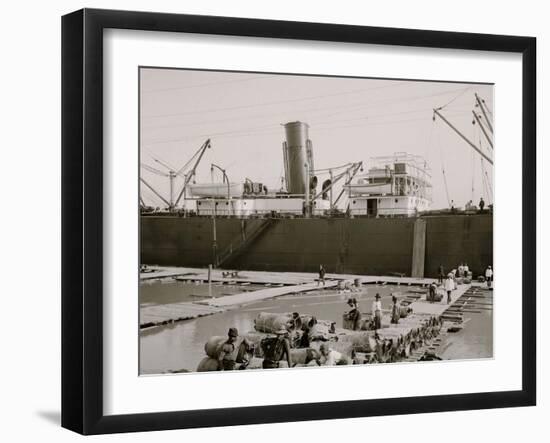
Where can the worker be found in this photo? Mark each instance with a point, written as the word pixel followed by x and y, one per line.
pixel 226 359
pixel 395 310
pixel 307 331
pixel 321 275
pixel 461 270
pixel 377 312
pixel 449 286
pixel 432 292
pixel 276 350
pixel 441 275
pixel 330 356
pixel 452 206
pixel 354 314
pixel 489 276
pixel 466 269
pixel 481 204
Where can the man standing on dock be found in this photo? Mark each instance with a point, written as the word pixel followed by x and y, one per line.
pixel 377 312
pixel 481 204
pixel 354 314
pixel 489 276
pixel 441 274
pixel 395 310
pixel 449 287
pixel 321 275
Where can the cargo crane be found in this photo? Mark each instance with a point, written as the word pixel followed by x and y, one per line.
pixel 191 174
pixel 484 123
pixel 172 174
pixel 461 135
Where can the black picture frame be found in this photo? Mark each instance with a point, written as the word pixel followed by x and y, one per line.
pixel 82 219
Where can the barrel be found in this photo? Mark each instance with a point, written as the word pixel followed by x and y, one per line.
pixel 271 323
pixel 214 345
pixel 207 364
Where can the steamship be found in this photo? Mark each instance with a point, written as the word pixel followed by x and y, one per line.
pixel 371 218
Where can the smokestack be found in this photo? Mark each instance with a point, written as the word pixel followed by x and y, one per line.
pixel 297 151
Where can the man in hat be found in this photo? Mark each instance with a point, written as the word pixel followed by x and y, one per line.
pixel 432 292
pixel 449 286
pixel 354 315
pixel 322 273
pixel 489 276
pixel 377 311
pixel 277 350
pixel 395 310
pixel 226 357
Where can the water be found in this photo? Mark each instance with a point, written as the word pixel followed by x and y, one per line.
pixel 163 291
pixel 181 346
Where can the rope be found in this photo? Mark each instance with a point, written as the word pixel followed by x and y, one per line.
pixel 452 100
pixel 443 170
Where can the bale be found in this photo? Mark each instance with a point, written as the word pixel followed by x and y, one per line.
pixel 207 364
pixel 308 321
pixel 363 341
pixel 271 323
pixel 404 311
pixel 304 356
pixel 214 345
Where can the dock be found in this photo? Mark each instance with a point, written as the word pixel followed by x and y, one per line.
pixel 263 294
pixel 158 315
pixel 272 278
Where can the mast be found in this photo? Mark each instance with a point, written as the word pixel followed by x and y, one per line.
pixel 481 104
pixel 483 129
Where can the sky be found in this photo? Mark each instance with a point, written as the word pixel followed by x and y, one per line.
pixel 350 120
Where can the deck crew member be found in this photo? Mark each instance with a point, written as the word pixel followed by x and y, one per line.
pixel 321 275
pixel 377 312
pixel 466 269
pixel 489 276
pixel 395 310
pixel 226 359
pixel 441 275
pixel 481 204
pixel 449 286
pixel 278 350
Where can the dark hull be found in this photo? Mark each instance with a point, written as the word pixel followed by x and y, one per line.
pixel 356 246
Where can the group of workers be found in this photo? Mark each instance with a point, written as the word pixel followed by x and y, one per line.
pixel 275 349
pixel 354 315
pixel 469 205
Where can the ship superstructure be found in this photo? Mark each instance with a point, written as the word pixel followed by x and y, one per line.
pixel 397 185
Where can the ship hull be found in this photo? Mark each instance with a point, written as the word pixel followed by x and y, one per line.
pixel 343 245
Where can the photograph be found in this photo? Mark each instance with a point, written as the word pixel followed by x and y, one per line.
pixel 291 220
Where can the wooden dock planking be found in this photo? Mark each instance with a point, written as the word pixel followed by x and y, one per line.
pixel 263 294
pixel 156 315
pixel 266 277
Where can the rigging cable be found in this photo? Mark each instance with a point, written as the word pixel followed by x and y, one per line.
pixel 443 168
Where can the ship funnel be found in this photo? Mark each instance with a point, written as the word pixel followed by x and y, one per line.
pixel 298 158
